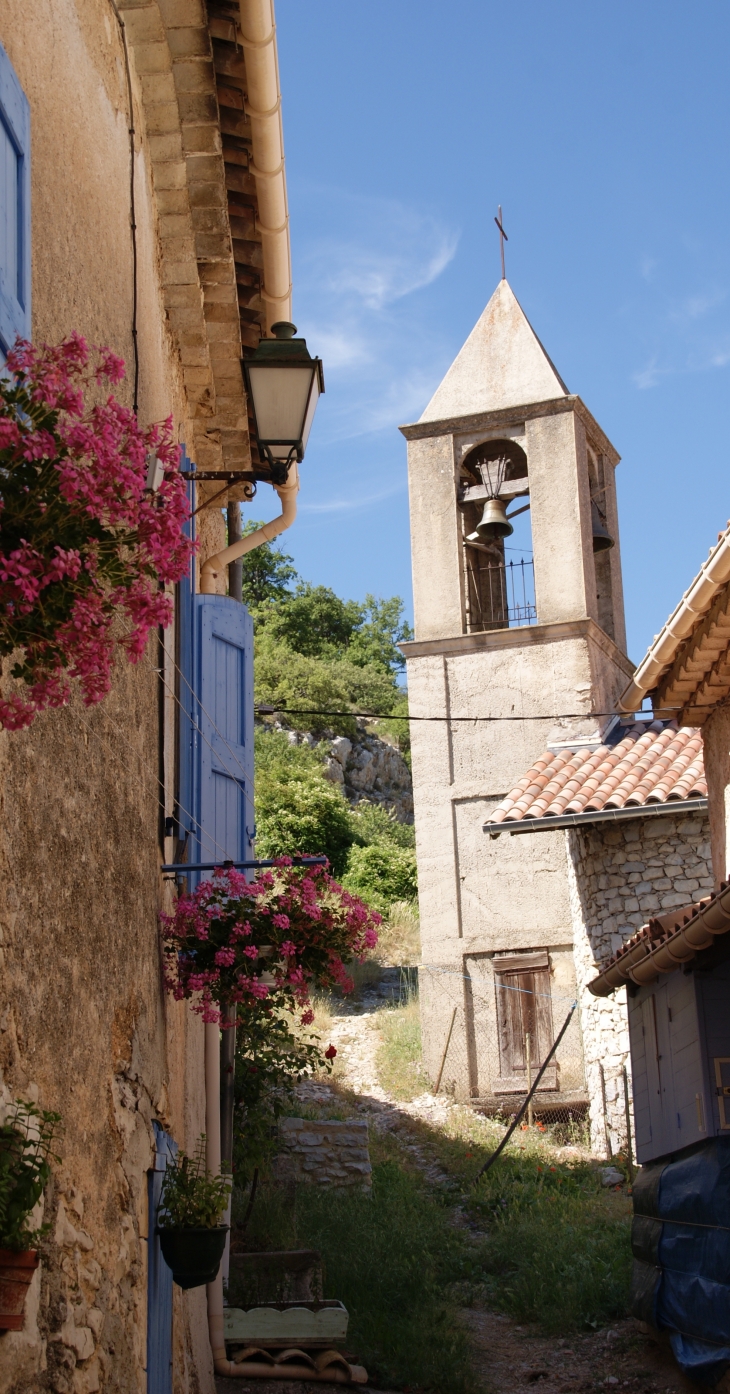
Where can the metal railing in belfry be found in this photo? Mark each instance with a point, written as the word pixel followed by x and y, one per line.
pixel 508 593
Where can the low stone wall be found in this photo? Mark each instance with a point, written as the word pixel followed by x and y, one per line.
pixel 324 1153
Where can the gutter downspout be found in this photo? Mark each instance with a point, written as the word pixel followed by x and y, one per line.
pixel 213 1164
pixel 692 607
pixel 258 38
pixel 215 565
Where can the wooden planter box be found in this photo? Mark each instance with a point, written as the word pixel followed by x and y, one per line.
pixel 274 1324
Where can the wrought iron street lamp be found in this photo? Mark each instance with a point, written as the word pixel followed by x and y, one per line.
pixel 283 383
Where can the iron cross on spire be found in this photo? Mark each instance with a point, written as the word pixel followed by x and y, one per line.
pixel 502 238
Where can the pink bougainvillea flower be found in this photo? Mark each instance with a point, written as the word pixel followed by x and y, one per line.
pixel 219 951
pixel 85 551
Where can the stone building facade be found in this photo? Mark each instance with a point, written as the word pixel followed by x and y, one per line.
pixel 504 932
pixel 87 796
pixel 620 877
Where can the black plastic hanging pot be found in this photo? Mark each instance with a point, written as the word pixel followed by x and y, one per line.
pixel 194 1255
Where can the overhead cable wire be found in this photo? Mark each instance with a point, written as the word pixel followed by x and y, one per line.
pixel 264 709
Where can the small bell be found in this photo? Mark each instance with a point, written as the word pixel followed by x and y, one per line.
pixel 494 523
pixel 602 539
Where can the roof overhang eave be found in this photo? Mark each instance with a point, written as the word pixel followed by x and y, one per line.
pixel 645 961
pixel 672 807
pixel 690 611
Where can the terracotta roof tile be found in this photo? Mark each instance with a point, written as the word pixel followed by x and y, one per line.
pixel 652 763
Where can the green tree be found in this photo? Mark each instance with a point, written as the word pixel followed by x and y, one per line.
pixel 267 572
pixel 296 683
pixel 297 808
pixel 313 621
pixel 380 631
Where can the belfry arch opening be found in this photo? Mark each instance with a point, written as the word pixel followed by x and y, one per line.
pixel 499 587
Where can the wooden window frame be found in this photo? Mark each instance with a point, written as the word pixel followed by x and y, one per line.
pixel 522 983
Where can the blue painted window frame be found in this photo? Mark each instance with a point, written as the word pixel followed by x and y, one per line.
pixel 159 1276
pixel 204 621
pixel 15 306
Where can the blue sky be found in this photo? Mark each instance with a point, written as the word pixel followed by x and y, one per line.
pixel 602 130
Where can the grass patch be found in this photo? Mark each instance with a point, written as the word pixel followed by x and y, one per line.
pixel 399 1057
pixel 393 1259
pixel 558 1249
pixel 399 937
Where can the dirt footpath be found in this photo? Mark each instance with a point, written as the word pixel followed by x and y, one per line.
pixel 516 1361
pixel 509 1359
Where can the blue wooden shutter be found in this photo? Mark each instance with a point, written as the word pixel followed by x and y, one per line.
pixel 224 689
pixel 159 1277
pixel 215 745
pixel 14 207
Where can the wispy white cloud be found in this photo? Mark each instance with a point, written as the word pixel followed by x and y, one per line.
pixel 356 501
pixel 648 376
pixel 383 353
pixel 697 306
pixel 687 333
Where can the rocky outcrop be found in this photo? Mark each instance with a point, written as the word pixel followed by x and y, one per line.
pixel 372 769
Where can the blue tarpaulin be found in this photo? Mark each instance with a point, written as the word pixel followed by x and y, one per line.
pixel 681 1245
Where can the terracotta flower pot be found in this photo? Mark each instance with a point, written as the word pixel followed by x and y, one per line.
pixel 194 1255
pixel 16 1275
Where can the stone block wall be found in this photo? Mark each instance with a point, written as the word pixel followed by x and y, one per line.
pixel 324 1153
pixel 620 875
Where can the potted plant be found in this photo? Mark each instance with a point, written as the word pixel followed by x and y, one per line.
pixel 26 1138
pixel 189 1218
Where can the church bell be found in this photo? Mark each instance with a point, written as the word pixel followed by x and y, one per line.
pixel 602 539
pixel 494 523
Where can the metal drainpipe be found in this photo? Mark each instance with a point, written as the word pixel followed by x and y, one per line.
pixel 213 1164
pixel 228 1038
pixel 235 568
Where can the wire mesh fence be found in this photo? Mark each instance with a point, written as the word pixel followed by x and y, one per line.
pixel 485 1035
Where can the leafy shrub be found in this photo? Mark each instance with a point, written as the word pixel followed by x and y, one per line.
pixel 263 944
pixel 373 825
pixel 26 1139
pixel 297 809
pixel 192 1197
pixel 381 874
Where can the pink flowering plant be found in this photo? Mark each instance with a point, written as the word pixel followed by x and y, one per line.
pixel 263 945
pixel 84 545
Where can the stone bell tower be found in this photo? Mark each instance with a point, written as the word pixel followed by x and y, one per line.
pixel 484 648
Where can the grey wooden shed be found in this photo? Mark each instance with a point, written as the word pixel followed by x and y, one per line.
pixel 677 974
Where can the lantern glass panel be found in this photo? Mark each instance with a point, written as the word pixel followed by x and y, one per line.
pixel 311 408
pixel 281 396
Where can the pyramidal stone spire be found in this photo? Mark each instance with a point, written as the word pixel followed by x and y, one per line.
pixel 502 365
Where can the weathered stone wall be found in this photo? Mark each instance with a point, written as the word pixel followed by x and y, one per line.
pixel 716 740
pixel 620 875
pixel 333 1153
pixel 85 1028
